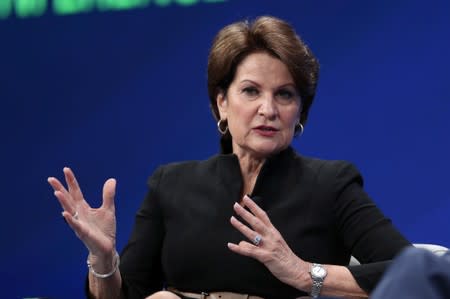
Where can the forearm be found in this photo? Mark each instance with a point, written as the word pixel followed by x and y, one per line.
pixel 105 288
pixel 108 286
pixel 339 282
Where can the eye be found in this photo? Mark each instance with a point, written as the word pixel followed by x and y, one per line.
pixel 286 95
pixel 250 91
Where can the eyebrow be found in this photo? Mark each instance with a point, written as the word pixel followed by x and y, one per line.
pixel 257 84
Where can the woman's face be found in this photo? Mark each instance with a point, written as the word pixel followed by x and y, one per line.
pixel 261 106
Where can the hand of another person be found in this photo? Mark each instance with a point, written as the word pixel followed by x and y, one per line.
pixel 96 228
pixel 267 245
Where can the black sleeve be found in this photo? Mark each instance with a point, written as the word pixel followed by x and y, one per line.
pixel 370 236
pixel 140 267
pixel 140 261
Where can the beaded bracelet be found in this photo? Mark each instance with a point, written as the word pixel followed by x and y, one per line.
pixel 98 275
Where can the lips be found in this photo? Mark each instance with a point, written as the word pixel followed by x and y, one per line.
pixel 266 128
pixel 266 131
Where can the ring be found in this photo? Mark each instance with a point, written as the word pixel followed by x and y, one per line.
pixel 257 240
pixel 75 215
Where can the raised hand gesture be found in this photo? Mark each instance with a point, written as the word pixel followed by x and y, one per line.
pixel 96 228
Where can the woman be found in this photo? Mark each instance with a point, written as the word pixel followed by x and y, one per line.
pixel 256 220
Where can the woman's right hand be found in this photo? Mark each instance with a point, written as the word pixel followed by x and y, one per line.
pixel 96 228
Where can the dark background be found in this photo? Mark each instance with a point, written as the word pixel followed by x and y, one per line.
pixel 117 93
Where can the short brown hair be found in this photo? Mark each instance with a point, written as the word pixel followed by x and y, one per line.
pixel 265 34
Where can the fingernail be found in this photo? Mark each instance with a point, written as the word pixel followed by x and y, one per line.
pixel 236 205
pixel 64 218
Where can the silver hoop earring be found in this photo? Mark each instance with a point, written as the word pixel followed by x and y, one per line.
pixel 299 129
pixel 219 126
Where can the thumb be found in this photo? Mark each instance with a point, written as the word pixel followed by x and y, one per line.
pixel 109 191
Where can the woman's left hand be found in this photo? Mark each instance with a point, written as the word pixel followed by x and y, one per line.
pixel 272 250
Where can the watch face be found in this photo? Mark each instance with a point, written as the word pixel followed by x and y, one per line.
pixel 318 271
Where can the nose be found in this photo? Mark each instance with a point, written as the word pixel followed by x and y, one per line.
pixel 268 107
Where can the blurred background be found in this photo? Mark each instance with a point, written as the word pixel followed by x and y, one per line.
pixel 114 88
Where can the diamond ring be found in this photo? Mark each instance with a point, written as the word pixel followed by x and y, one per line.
pixel 257 240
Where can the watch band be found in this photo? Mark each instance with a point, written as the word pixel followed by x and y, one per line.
pixel 316 288
pixel 318 274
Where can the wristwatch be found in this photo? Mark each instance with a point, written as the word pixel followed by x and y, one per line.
pixel 318 274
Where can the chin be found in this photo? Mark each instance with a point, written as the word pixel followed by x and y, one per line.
pixel 266 150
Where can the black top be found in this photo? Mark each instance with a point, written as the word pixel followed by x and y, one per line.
pixel 182 228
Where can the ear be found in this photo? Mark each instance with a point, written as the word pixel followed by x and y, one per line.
pixel 222 104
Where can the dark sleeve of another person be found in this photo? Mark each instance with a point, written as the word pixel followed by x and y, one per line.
pixel 370 236
pixel 416 274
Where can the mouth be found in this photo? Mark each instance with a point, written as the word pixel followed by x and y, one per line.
pixel 266 128
pixel 266 131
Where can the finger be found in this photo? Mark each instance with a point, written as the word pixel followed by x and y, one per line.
pixel 244 229
pixel 109 192
pixel 57 185
pixel 74 224
pixel 63 196
pixel 256 210
pixel 251 219
pixel 244 248
pixel 74 188
pixel 65 202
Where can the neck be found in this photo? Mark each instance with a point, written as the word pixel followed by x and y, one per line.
pixel 250 168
